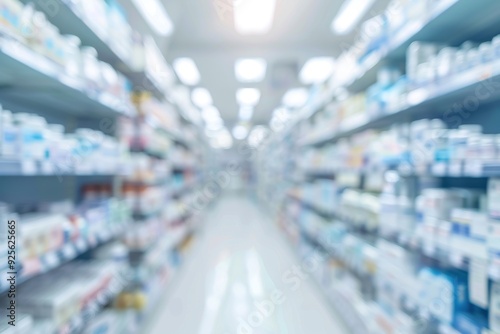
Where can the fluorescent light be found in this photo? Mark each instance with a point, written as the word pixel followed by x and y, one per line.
pixel 201 97
pixel 250 69
pixel 187 71
pixel 351 12
pixel 210 114
pixel 240 132
pixel 317 70
pixel 295 98
pixel 246 113
pixel 248 96
pixel 254 17
pixel 156 15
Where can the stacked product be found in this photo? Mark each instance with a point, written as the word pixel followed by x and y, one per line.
pixel 28 137
pixel 32 28
pixel 46 239
pixel 145 200
pixel 58 299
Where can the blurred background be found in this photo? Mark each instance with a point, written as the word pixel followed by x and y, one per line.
pixel 250 166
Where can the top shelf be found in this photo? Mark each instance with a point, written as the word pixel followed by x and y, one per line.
pixel 32 80
pixel 438 26
pixel 70 20
pixel 427 101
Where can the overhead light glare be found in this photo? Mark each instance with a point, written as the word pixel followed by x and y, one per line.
pixel 201 97
pixel 317 70
pixel 351 12
pixel 248 96
pixel 250 69
pixel 210 114
pixel 295 98
pixel 155 15
pixel 254 17
pixel 187 71
pixel 240 132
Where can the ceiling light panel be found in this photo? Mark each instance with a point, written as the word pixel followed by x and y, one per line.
pixel 211 114
pixel 317 70
pixel 155 15
pixel 240 132
pixel 349 15
pixel 249 97
pixel 254 17
pixel 250 69
pixel 201 97
pixel 187 71
pixel 296 98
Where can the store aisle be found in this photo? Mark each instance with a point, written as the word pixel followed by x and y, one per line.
pixel 239 280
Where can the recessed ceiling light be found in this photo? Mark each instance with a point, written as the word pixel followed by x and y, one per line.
pixel 295 98
pixel 201 97
pixel 317 70
pixel 187 71
pixel 254 17
pixel 351 12
pixel 250 69
pixel 240 132
pixel 210 114
pixel 246 113
pixel 156 15
pixel 248 96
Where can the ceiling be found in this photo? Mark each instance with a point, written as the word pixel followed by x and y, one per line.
pixel 301 30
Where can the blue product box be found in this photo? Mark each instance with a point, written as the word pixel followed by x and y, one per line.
pixel 470 324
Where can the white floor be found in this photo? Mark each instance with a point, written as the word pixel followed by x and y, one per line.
pixel 235 281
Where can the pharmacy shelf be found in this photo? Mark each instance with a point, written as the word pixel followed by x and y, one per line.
pixel 71 250
pixel 470 168
pixel 30 79
pixel 324 212
pixel 474 16
pixel 350 311
pixel 70 20
pixel 179 167
pixel 455 255
pixel 79 322
pixel 152 153
pixel 427 101
pixel 459 169
pixel 170 240
pixel 180 191
pixel 15 167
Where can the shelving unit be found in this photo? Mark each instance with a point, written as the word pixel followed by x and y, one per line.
pixel 23 70
pixel 357 190
pixel 31 82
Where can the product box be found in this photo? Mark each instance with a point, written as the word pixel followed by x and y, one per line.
pixel 470 324
pixel 494 198
pixel 443 294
